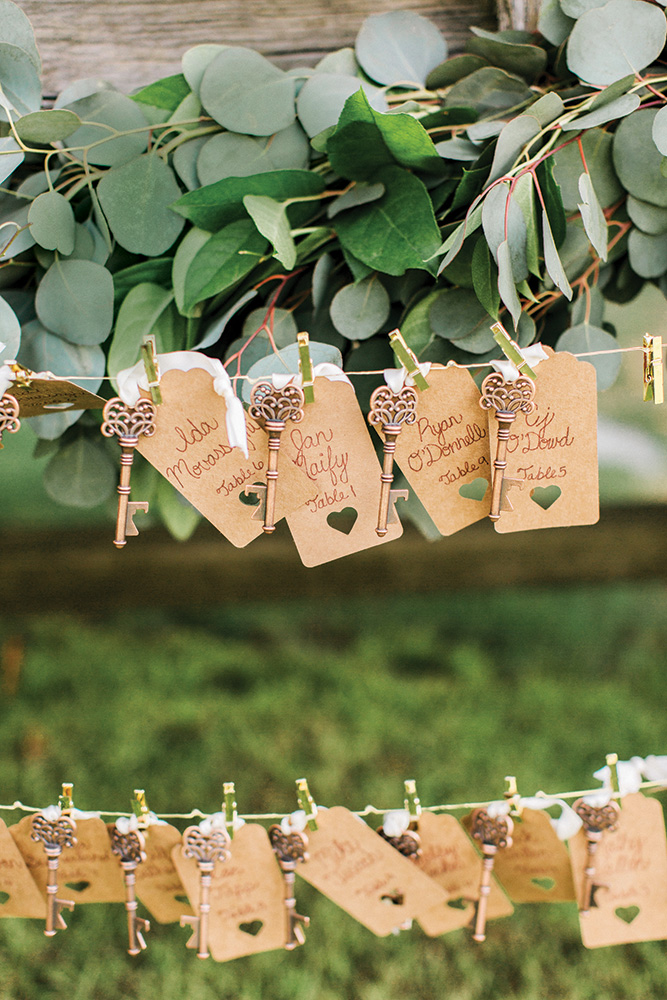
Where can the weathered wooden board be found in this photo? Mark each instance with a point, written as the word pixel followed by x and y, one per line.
pixel 134 42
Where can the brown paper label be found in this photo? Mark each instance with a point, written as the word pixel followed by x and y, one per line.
pixel 158 884
pixel 44 396
pixel 450 859
pixel 19 894
pixel 552 452
pixel 87 872
pixel 190 448
pixel 536 868
pixel 444 454
pixel 333 447
pixel 364 875
pixel 247 912
pixel 631 872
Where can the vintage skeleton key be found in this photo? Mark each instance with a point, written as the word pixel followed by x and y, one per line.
pixel 272 408
pixel 492 834
pixel 55 834
pixel 127 423
pixel 596 820
pixel 390 410
pixel 290 849
pixel 129 848
pixel 9 415
pixel 507 399
pixel 207 848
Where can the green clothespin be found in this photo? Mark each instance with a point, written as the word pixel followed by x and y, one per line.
pixel 612 764
pixel 65 800
pixel 407 358
pixel 511 349
pixel 511 795
pixel 306 802
pixel 412 803
pixel 149 358
pixel 140 807
pixel 653 370
pixel 306 367
pixel 230 807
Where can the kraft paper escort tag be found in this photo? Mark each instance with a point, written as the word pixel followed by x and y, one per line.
pixel 158 884
pixel 444 454
pixel 334 449
pixel 537 869
pixel 19 894
pixel 450 859
pixel 629 898
pixel 246 896
pixel 191 449
pixel 551 475
pixel 364 875
pixel 53 395
pixel 87 871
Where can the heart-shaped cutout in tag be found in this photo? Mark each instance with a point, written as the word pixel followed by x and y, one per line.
pixel 77 886
pixel 476 490
pixel 343 520
pixel 253 928
pixel 182 899
pixel 544 883
pixel 459 903
pixel 396 898
pixel 627 913
pixel 545 496
pixel 4 896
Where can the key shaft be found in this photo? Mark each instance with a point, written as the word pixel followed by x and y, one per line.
pixel 389 411
pixel 272 408
pixel 508 399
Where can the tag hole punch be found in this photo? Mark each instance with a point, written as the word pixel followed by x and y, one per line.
pixel 77 886
pixel 627 913
pixel 476 490
pixel 251 500
pixel 395 898
pixel 4 896
pixel 253 928
pixel 343 520
pixel 545 883
pixel 545 496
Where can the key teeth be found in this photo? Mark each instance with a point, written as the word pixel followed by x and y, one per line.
pixel 133 507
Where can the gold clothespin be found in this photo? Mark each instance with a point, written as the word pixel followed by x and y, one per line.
pixel 306 367
pixel 149 358
pixel 23 376
pixel 611 761
pixel 412 803
pixel 140 808
pixel 129 849
pixel 65 800
pixel 306 802
pixel 511 349
pixel 512 796
pixel 653 369
pixel 407 843
pixel 229 792
pixel 56 833
pixel 407 358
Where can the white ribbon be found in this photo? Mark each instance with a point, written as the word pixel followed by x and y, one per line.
pixel 533 355
pixel 324 370
pixel 396 822
pixel 131 380
pixel 654 768
pixel 296 822
pixel 127 824
pixel 398 378
pixel 566 825
pixel 7 377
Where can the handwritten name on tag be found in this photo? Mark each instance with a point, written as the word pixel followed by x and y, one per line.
pixel 333 448
pixel 444 454
pixel 52 395
pixel 158 885
pixel 88 871
pixel 364 875
pixel 247 912
pixel 537 868
pixel 630 899
pixel 552 452
pixel 451 860
pixel 190 448
pixel 19 895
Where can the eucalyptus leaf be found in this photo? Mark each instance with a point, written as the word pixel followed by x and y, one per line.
pixel 568 165
pixel 485 278
pixel 184 161
pixel 196 61
pixel 361 309
pixel 553 23
pixel 610 112
pixel 11 157
pixel 506 285
pixel 584 338
pixel 75 300
pixel 323 96
pixel 166 93
pixel 457 149
pixel 114 114
pixel 47 126
pixel 51 221
pixel 215 330
pixel 456 314
pixel 512 141
pixel 452 245
pixel 342 61
pixel 524 59
pixel 286 361
pixel 80 474
pixel 649 218
pixel 358 194
pixel 647 254
pixel 15 27
pixel 416 324
pixel 453 69
pixel 575 8
pixel 178 514
pixel 607 43
pixel 137 318
pixel 281 322
pixel 144 223
pixel 640 174
pixel 244 92
pixel 232 155
pixel 20 78
pixel 552 261
pixel 271 220
pixel 10 328
pixel 399 46
pixel 592 215
pixel 489 91
pixel 547 108
pixel 524 195
pixel 222 261
pixel 659 130
pixel 588 307
pixel 15 235
pixel 504 222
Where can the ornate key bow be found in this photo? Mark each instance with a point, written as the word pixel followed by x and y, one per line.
pixel 127 423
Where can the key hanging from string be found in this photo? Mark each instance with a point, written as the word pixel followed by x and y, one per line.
pixel 493 834
pixel 55 834
pixel 597 821
pixel 128 423
pixel 129 849
pixel 290 849
pixel 207 849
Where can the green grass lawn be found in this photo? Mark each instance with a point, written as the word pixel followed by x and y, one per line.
pixel 454 691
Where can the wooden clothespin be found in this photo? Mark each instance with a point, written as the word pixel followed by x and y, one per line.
pixel 306 802
pixel 612 763
pixel 653 369
pixel 149 358
pixel 65 800
pixel 511 349
pixel 306 367
pixel 407 358
pixel 229 792
pixel 512 796
pixel 23 376
pixel 140 808
pixel 412 803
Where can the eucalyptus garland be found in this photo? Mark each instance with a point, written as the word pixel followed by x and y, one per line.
pixel 232 204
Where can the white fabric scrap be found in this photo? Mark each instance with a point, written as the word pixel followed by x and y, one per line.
pixel 566 825
pixel 629 776
pixel 7 378
pixel 396 822
pixel 127 824
pixel 499 808
pixel 654 768
pixel 324 370
pixel 398 378
pixel 296 822
pixel 533 355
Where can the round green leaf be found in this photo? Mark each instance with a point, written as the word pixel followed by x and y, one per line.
pixel 399 46
pixel 609 42
pixel 137 316
pixel 75 300
pixel 284 327
pixel 51 221
pixel 246 93
pixel 47 126
pixel 179 516
pixel 233 155
pixel 568 166
pixel 360 310
pixel 659 131
pixel 11 157
pixel 196 60
pixel 585 337
pixel 81 474
pixel 185 159
pixel 575 8
pixel 10 331
pixel 15 27
pixel 637 159
pixel 553 23
pixel 647 254
pixel 341 61
pixel 489 91
pixel 516 56
pixel 287 361
pixel 322 98
pixel 115 113
pixel 20 78
pixel 457 315
pixel 649 218
pixel 135 198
